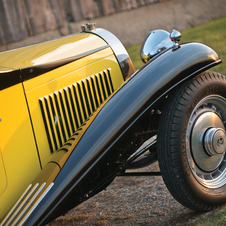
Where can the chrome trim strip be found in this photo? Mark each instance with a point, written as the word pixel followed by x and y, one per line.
pixel 16 204
pixel 116 46
pixel 36 204
pixel 29 203
pixel 21 205
pixel 112 40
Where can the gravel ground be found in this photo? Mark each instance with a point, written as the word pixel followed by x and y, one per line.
pixel 132 201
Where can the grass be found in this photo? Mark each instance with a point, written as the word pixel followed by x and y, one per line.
pixel 124 217
pixel 100 222
pixel 134 52
pixel 217 219
pixel 65 219
pixel 106 217
pixel 212 34
pixel 80 217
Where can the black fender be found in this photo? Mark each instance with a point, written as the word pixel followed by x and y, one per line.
pixel 121 111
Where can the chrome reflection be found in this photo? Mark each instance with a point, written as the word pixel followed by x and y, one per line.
pixel 205 127
pixel 118 49
pixel 158 41
pixel 175 37
pixel 155 42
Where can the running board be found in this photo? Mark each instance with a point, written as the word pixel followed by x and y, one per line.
pixel 26 204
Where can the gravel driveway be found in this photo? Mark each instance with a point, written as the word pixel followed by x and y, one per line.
pixel 132 201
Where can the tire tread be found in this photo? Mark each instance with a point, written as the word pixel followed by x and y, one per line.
pixel 168 133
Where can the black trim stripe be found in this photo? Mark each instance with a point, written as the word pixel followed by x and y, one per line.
pixel 9 78
pixel 13 77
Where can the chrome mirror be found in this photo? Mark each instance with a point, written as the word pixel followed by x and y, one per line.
pixel 175 36
pixel 158 41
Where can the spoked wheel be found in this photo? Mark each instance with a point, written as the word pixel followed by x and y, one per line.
pixel 192 142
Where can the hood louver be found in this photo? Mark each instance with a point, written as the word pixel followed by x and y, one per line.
pixel 65 111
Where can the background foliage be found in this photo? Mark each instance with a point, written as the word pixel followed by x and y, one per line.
pixel 212 34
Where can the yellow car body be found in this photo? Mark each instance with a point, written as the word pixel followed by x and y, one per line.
pixel 81 65
pixel 74 115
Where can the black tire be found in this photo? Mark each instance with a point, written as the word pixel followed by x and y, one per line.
pixel 191 142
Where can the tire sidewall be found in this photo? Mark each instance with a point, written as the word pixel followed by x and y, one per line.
pixel 217 195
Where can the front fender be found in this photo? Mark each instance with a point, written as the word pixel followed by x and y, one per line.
pixel 121 111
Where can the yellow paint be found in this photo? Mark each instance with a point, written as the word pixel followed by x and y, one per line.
pixel 19 156
pixel 2 176
pixel 32 194
pixel 65 73
pixel 50 51
pixel 5 69
pixel 51 170
pixel 65 76
pixel 62 155
pixel 17 145
pixel 48 174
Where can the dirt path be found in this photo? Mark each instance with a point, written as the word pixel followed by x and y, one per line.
pixel 132 201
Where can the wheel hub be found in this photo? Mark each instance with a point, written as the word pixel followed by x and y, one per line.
pixel 206 141
pixel 214 141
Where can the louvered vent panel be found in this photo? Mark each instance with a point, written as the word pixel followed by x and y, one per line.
pixel 66 110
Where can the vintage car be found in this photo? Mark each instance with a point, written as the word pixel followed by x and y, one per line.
pixel 74 115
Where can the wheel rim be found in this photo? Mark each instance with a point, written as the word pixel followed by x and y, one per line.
pixel 206 141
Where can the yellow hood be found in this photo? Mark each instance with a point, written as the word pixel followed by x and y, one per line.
pixel 49 51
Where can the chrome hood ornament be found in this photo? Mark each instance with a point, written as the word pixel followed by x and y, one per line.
pixel 158 41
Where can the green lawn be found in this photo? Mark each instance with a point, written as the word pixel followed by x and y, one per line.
pixel 212 34
pixel 217 219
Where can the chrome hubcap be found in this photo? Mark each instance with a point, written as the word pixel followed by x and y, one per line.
pixel 206 141
pixel 214 141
